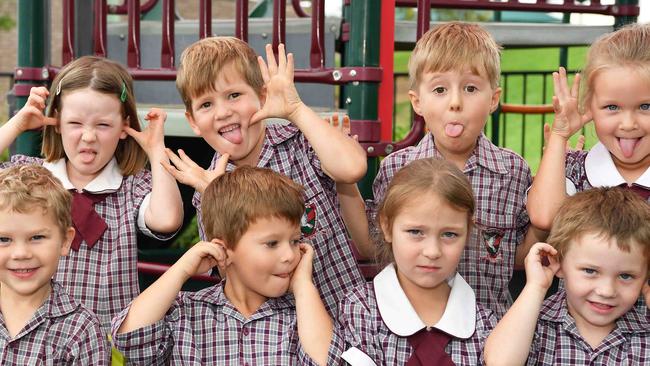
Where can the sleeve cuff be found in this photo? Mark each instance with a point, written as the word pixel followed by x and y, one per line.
pixel 142 225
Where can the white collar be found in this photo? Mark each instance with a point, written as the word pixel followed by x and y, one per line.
pixel 109 179
pixel 458 320
pixel 601 171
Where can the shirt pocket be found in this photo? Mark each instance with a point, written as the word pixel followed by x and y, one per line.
pixel 494 236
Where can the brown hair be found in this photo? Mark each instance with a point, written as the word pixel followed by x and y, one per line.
pixel 203 61
pixel 628 47
pixel 413 181
pixel 24 188
pixel 611 212
pixel 455 46
pixel 104 76
pixel 236 199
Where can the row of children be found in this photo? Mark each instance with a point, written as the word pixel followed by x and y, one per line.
pixel 449 230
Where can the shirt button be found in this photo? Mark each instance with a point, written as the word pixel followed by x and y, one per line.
pixel 245 331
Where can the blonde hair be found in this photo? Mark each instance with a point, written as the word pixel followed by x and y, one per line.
pixel 455 46
pixel 626 47
pixel 611 212
pixel 203 61
pixel 24 188
pixel 103 76
pixel 411 183
pixel 236 199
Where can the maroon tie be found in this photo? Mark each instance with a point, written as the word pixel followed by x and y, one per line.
pixel 640 190
pixel 429 348
pixel 88 224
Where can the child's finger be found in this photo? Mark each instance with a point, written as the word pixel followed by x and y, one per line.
pixel 263 69
pixel 581 142
pixel 173 171
pixel 586 118
pixel 258 117
pixel 564 83
pixel 289 71
pixel 222 163
pixel 557 108
pixel 178 162
pixel 556 84
pixel 575 88
pixel 282 58
pixel 270 60
pixel 132 132
pixel 187 160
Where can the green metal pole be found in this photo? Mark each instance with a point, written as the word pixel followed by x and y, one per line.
pixel 360 99
pixel 623 20
pixel 31 53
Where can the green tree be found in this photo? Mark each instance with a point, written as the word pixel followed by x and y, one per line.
pixel 6 22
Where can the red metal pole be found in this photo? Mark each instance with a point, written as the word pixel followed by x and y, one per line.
pixel 167 48
pixel 279 23
pixel 99 28
pixel 386 94
pixel 68 31
pixel 424 17
pixel 133 49
pixel 205 19
pixel 241 20
pixel 317 54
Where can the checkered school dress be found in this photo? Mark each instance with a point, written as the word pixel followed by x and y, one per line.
pixel 500 179
pixel 204 328
pixel 558 342
pixel 60 332
pixel 287 151
pixel 104 278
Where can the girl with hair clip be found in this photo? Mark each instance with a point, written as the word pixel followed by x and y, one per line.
pixel 418 310
pixel 92 142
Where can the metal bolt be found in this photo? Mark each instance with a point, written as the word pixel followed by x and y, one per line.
pixel 44 73
pixel 265 35
pixel 355 83
pixel 353 73
pixel 19 72
pixel 337 75
pixel 333 29
pixel 348 100
pixel 122 37
pixel 371 149
pixel 388 149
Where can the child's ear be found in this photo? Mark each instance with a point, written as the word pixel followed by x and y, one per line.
pixel 415 101
pixel 262 96
pixel 68 236
pixel 496 96
pixel 559 273
pixel 127 123
pixel 193 125
pixel 388 236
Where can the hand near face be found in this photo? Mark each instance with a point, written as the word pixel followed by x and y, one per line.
pixel 202 257
pixel 539 273
pixel 282 100
pixel 152 138
pixel 186 171
pixel 302 275
pixel 568 119
pixel 31 116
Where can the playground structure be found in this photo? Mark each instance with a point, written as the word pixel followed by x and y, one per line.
pixel 365 39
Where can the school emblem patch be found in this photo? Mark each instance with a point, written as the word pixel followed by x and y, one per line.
pixel 492 242
pixel 308 220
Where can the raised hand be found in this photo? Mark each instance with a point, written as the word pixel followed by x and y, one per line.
pixel 202 257
pixel 580 144
pixel 302 275
pixel 537 272
pixel 186 171
pixel 568 119
pixel 282 100
pixel 31 116
pixel 152 138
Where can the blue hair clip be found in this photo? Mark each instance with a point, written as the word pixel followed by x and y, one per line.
pixel 123 95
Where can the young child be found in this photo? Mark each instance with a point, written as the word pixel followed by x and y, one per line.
pixel 418 310
pixel 454 74
pixel 40 323
pixel 600 245
pixel 93 144
pixel 617 98
pixel 227 90
pixel 247 319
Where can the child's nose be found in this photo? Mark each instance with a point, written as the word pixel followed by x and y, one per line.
pixel 628 121
pixel 606 287
pixel 88 134
pixel 456 100
pixel 289 253
pixel 21 251
pixel 222 111
pixel 432 250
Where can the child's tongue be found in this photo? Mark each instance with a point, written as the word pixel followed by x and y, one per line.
pixel 627 146
pixel 453 129
pixel 233 136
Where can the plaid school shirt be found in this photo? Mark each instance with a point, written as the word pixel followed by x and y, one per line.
pixel 204 328
pixel 104 278
pixel 286 150
pixel 61 332
pixel 376 320
pixel 500 179
pixel 557 340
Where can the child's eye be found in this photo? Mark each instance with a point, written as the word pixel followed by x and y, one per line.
pixel 611 107
pixel 439 90
pixel 4 240
pixel 38 237
pixel 449 235
pixel 626 276
pixel 233 95
pixel 589 271
pixel 205 105
pixel 644 107
pixel 471 89
pixel 415 232
pixel 271 244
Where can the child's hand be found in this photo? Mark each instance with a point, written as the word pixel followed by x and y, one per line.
pixel 568 119
pixel 30 116
pixel 580 144
pixel 646 293
pixel 152 138
pixel 302 275
pixel 186 171
pixel 202 257
pixel 282 100
pixel 537 273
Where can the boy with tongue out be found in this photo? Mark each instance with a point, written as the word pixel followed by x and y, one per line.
pixel 454 73
pixel 228 92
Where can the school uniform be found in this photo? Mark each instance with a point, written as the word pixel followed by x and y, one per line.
pixel 377 323
pixel 499 179
pixel 61 332
pixel 103 275
pixel 286 150
pixel 204 328
pixel 558 342
pixel 595 168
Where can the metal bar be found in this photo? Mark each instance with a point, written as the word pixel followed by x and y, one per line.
pixel 133 48
pixel 99 28
pixel 385 94
pixel 298 9
pixel 424 17
pixel 124 8
pixel 167 48
pixel 68 31
pixel 317 52
pixel 205 19
pixel 241 20
pixel 279 23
